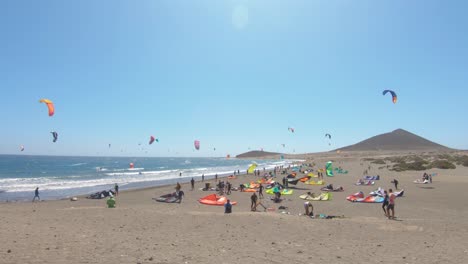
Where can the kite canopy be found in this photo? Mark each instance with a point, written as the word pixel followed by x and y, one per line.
pixel 196 143
pixel 252 168
pixel 328 135
pixel 22 148
pixel 329 169
pixel 151 140
pixel 291 129
pixel 49 104
pixel 394 96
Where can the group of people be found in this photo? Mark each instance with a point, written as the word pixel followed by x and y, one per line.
pixel 388 204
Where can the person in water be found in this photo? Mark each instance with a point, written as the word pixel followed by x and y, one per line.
pixel 36 194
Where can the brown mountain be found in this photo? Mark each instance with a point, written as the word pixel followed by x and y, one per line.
pixel 398 140
pixel 257 154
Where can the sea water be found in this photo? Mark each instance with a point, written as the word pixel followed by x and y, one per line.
pixel 61 177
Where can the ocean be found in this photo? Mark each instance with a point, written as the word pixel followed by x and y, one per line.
pixel 61 177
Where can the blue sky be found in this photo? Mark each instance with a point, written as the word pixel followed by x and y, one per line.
pixel 232 74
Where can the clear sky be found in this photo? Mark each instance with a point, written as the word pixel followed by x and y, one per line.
pixel 233 74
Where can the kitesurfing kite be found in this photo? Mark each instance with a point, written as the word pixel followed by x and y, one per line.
pixel 152 139
pixel 109 145
pixel 55 135
pixel 22 148
pixel 394 96
pixel 328 135
pixel 291 129
pixel 49 104
pixel 284 145
pixel 196 143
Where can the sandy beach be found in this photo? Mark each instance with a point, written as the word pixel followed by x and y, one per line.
pixel 430 227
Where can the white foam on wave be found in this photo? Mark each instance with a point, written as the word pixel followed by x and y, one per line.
pixel 77 164
pixel 120 176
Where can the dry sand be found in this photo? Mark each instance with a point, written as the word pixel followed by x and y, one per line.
pixel 431 226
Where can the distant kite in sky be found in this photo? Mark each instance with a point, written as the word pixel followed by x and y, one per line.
pixel 50 106
pixel 291 129
pixel 152 139
pixel 394 96
pixel 196 143
pixel 22 148
pixel 328 135
pixel 109 145
pixel 55 135
pixel 284 145
pixel 214 149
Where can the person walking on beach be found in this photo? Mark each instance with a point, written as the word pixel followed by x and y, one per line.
pixel 253 199
pixel 192 182
pixel 228 188
pixel 36 194
pixel 260 191
pixel 391 204
pixel 395 182
pixel 116 189
pixel 216 177
pixel 385 203
pixel 180 195
pixel 203 177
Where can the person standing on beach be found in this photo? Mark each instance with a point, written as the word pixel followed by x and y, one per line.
pixel 178 187
pixel 385 203
pixel 192 182
pixel 391 204
pixel 395 182
pixel 260 191
pixel 253 199
pixel 216 177
pixel 203 177
pixel 116 189
pixel 180 194
pixel 228 207
pixel 36 194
